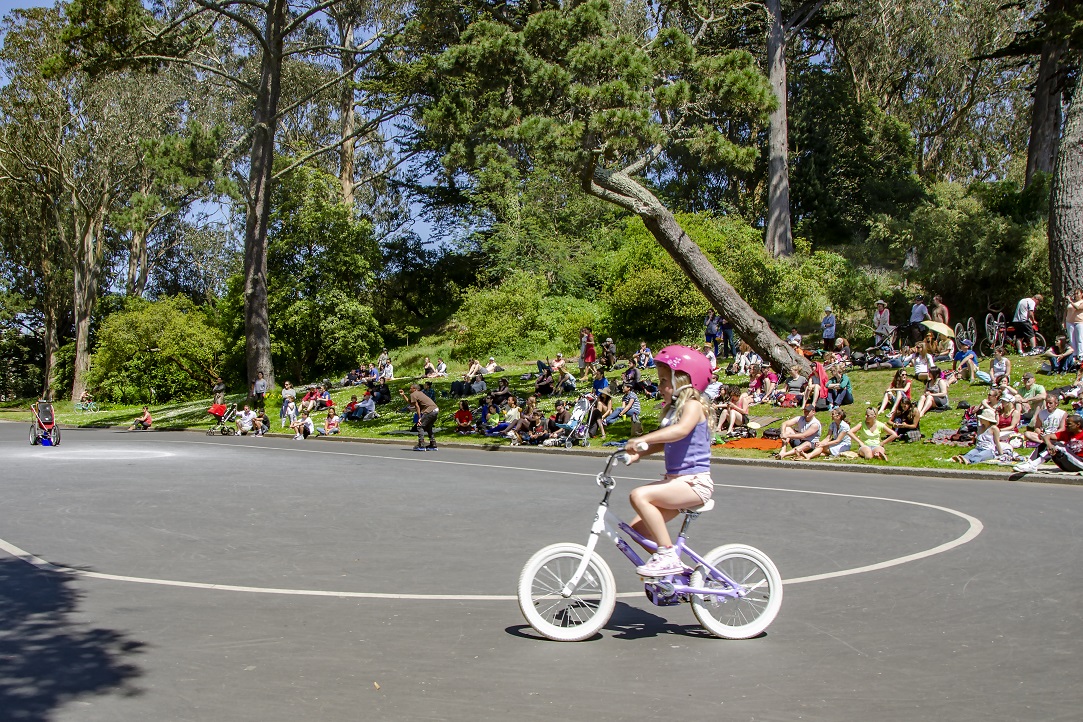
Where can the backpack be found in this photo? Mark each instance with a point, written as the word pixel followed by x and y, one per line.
pixel 772 433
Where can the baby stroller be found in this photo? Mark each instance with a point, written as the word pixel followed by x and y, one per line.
pixel 577 430
pixel 223 415
pixel 44 430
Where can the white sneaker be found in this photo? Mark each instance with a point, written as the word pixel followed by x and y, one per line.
pixel 298 437
pixel 1027 467
pixel 661 564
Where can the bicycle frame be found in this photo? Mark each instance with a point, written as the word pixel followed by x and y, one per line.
pixel 609 524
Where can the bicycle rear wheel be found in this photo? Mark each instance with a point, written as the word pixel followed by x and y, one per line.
pixel 972 330
pixel 573 618
pixel 745 616
pixel 990 326
pixel 985 348
pixel 960 332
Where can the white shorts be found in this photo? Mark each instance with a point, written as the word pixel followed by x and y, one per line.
pixel 700 483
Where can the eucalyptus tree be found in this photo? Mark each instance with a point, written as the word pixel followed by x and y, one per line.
pixel 75 143
pixel 929 64
pixel 569 85
pixel 251 46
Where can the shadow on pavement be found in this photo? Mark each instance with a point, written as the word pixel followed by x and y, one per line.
pixel 46 658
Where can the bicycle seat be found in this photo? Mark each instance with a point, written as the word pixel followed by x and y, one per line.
pixel 707 506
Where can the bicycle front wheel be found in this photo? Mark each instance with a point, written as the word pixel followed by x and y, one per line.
pixel 742 617
pixel 985 348
pixel 573 618
pixel 960 332
pixel 972 330
pixel 990 326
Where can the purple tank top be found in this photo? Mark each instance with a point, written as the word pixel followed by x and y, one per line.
pixel 692 454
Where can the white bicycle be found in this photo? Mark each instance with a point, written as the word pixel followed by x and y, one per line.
pixel 567 591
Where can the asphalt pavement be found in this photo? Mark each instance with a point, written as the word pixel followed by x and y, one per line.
pixel 171 576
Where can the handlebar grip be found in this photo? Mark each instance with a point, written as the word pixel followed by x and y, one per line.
pixel 642 446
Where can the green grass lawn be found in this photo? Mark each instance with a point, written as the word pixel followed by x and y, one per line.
pixel 395 421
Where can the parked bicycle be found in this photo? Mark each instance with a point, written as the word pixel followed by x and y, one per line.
pixel 998 332
pixel 968 331
pixel 90 407
pixel 567 591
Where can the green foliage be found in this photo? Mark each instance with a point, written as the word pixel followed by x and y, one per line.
pixel 155 350
pixel 849 160
pixel 649 298
pixel 518 318
pixel 319 262
pixel 978 245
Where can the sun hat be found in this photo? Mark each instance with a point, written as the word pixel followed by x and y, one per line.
pixel 881 302
pixel 609 340
pixel 827 308
pixel 988 415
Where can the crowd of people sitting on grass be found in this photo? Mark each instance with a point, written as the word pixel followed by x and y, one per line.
pixel 607 388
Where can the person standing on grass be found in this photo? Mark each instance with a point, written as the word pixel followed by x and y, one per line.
pixel 427 412
pixel 881 323
pixel 1025 322
pixel 1073 323
pixel 828 327
pixel 259 391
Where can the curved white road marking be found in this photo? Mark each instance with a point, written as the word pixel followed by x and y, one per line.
pixel 83 454
pixel 974 528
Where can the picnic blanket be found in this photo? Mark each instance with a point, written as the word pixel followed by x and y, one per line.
pixel 765 421
pixel 754 443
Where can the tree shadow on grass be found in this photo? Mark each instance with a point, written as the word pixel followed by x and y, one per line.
pixel 47 659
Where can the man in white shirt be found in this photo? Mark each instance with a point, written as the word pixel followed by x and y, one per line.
pixel 1048 420
pixel 389 372
pixel 1024 321
pixel 794 339
pixel 246 420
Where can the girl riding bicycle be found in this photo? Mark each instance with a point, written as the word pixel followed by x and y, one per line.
pixel 685 438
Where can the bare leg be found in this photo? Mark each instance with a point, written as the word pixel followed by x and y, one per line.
pixel 657 503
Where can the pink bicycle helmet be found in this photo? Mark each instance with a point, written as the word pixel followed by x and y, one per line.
pixel 688 360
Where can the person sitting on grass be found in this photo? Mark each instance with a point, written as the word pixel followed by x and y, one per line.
pixel 428 370
pixel 246 420
pixel 566 382
pixel 544 384
pixel 843 350
pixel 1048 420
pixel 733 409
pixel 144 421
pixel 603 407
pixel 923 361
pixel 464 419
pixel 330 425
pixel 837 439
pixel 644 357
pixel 562 415
pixel 600 381
pixel 801 433
pixel 1065 447
pixel 502 392
pixel 896 392
pixel 303 427
pixel 1008 416
pixel 511 417
pixel 539 432
pixel 965 362
pixel 1061 356
pixel 871 435
pixel 986 441
pixel 441 368
pixel 351 412
pixel 382 393
pixel 1033 395
pixel 935 395
pixel 629 407
pixel 796 384
pixel 1000 366
pixel 840 390
pixel 905 419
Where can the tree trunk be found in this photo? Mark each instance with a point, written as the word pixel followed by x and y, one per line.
pixel 1066 208
pixel 1046 116
pixel 138 264
pixel 89 254
pixel 51 345
pixel 753 328
pixel 779 232
pixel 257 326
pixel 347 115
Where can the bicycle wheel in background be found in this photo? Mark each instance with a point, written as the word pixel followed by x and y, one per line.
pixel 972 330
pixel 985 348
pixel 566 619
pixel 746 616
pixel 1039 341
pixel 960 332
pixel 990 326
